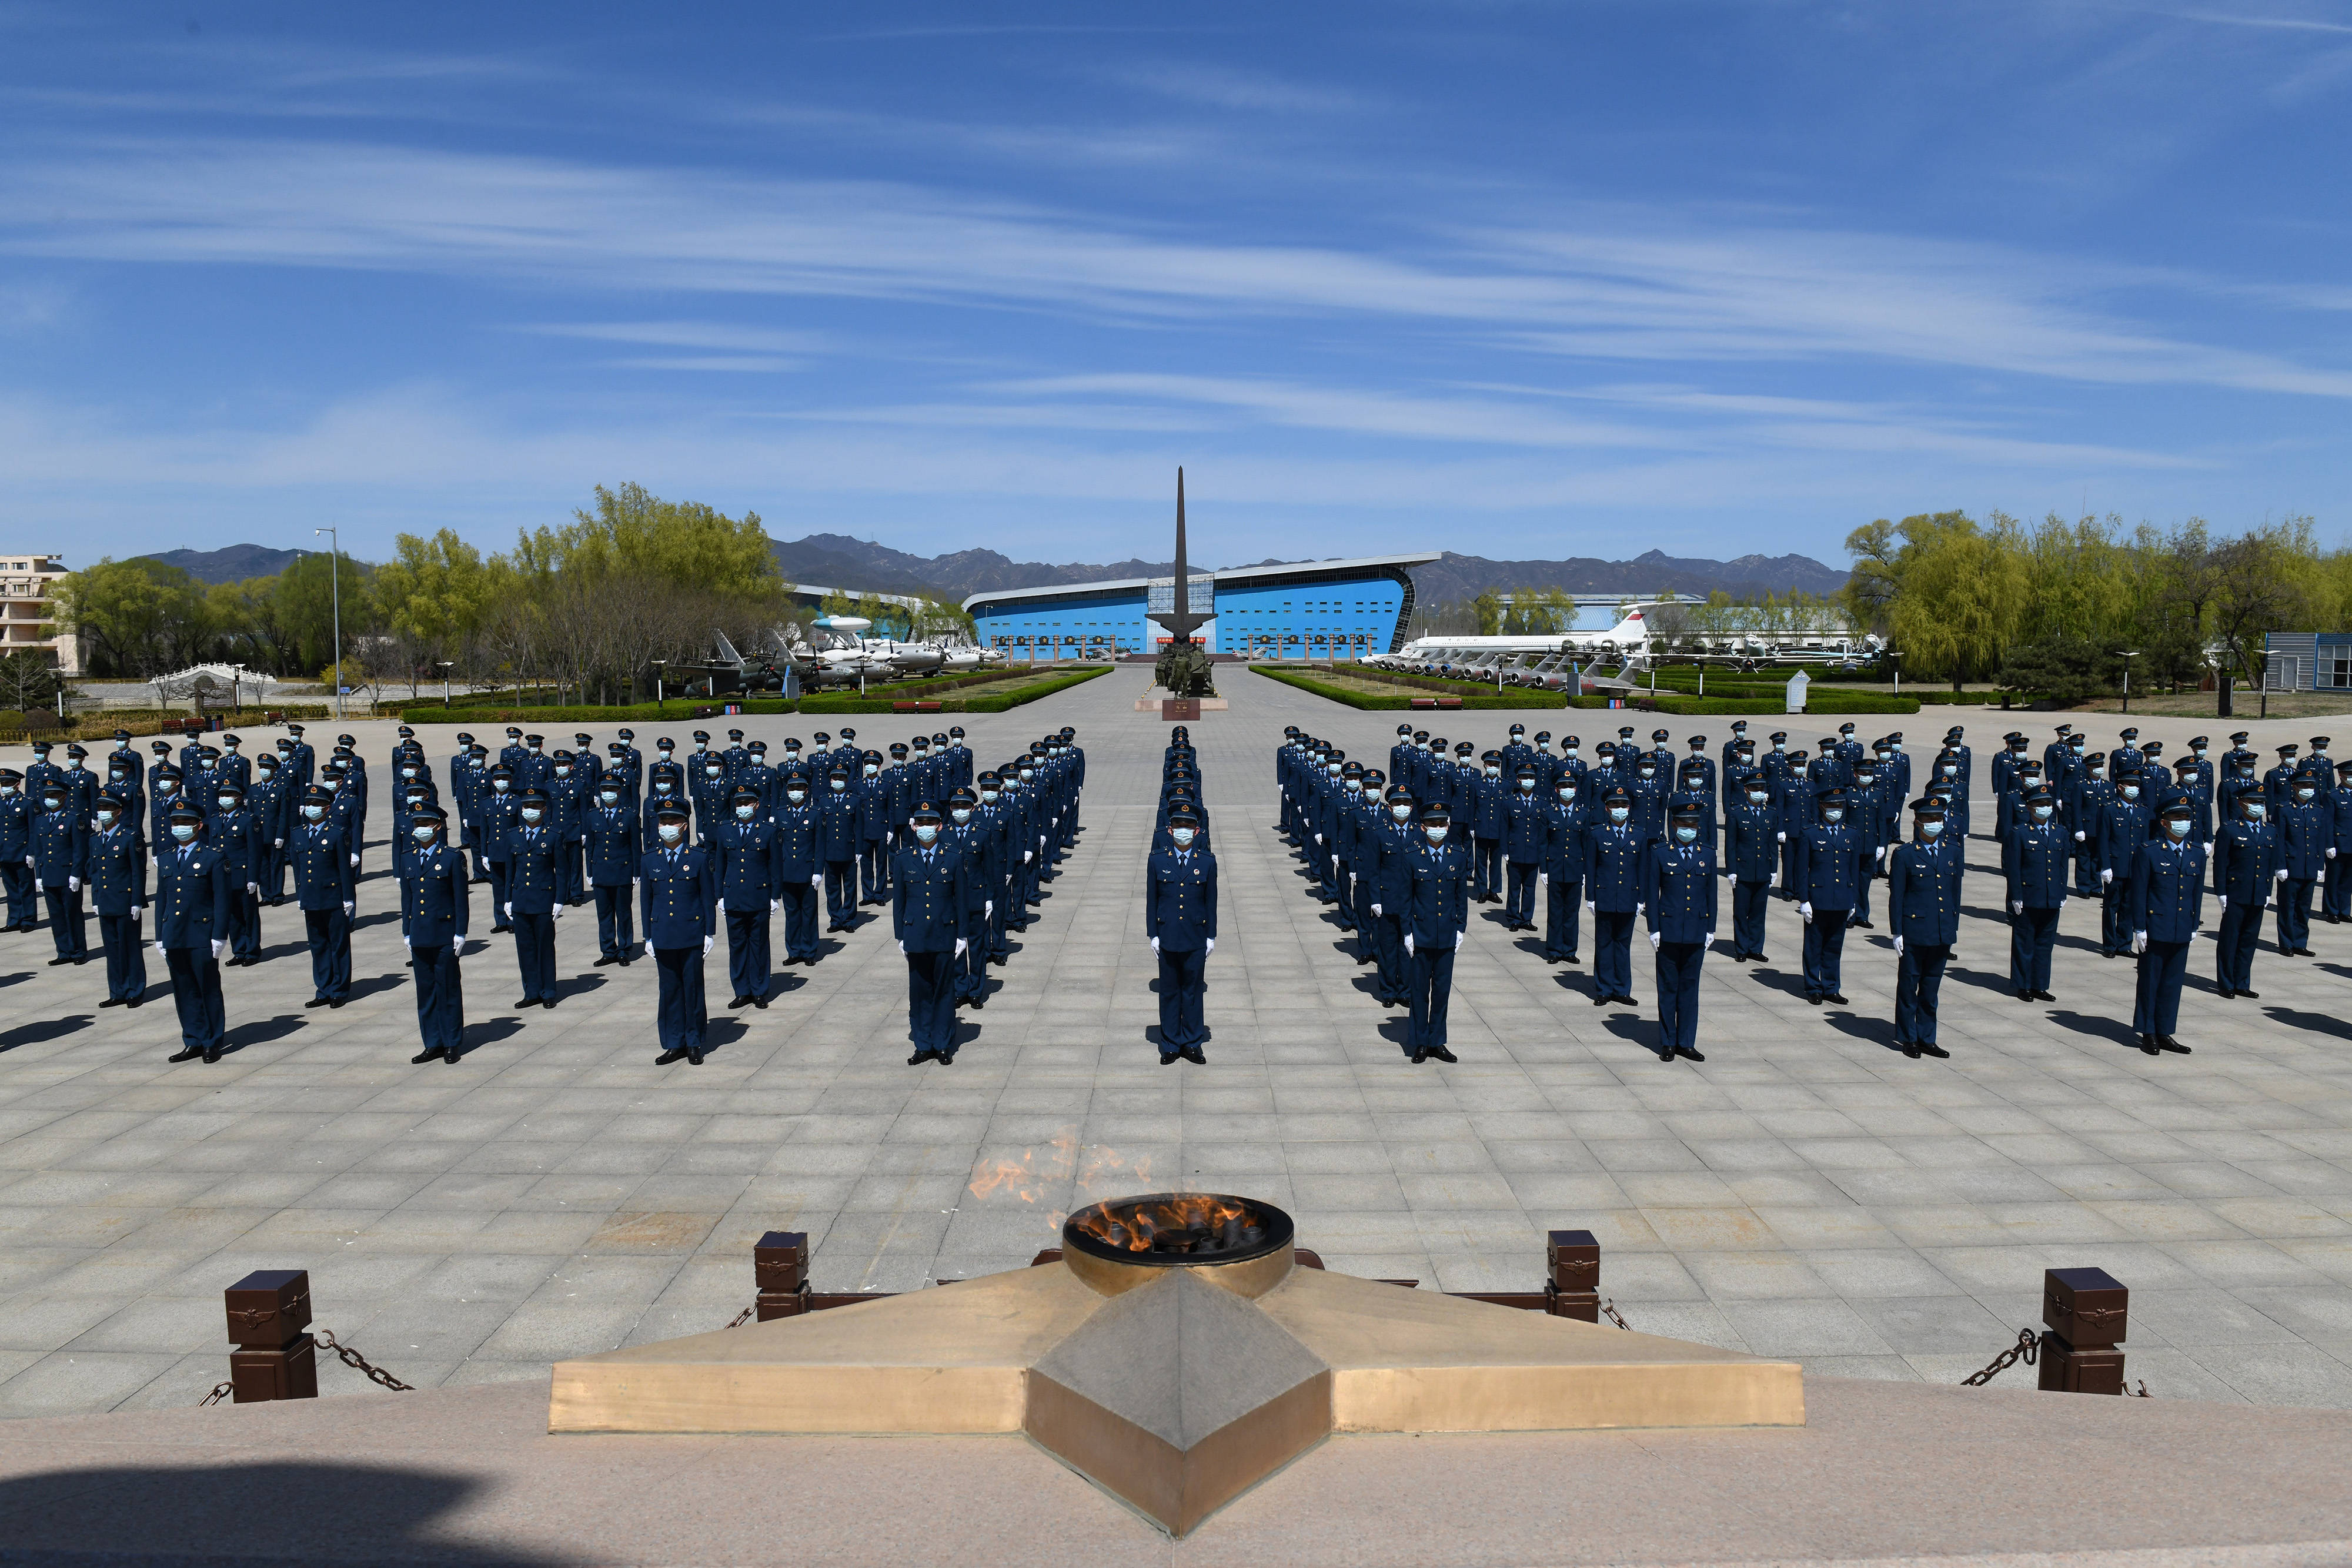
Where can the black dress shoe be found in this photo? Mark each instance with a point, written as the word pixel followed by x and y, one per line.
pixel 1930 1047
pixel 429 1053
pixel 1419 1057
pixel 1602 1001
pixel 186 1053
pixel 1442 1054
pixel 759 1001
pixel 1814 998
pixel 213 1054
pixel 2172 1044
pixel 2252 996
pixel 2304 953
pixel 111 1002
pixel 450 1056
pixel 920 1056
pixel 525 1002
pixel 607 958
pixel 2044 997
pixel 549 1002
pixel 1665 1053
pixel 2025 995
pixel 1689 1053
pixel 1839 997
pixel 321 1001
pixel 666 1057
pixel 1909 1047
pixel 738 1002
pixel 1192 1053
pixel 133 1001
pixel 53 963
pixel 1167 1057
pixel 333 1002
pixel 2147 1043
pixel 694 1056
pixel 2226 992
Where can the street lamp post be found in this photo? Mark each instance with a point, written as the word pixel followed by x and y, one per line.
pixel 446 667
pixel 660 667
pixel 1895 662
pixel 335 583
pixel 2128 655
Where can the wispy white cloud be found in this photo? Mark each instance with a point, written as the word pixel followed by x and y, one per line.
pixel 1227 87
pixel 686 335
pixel 2274 24
pixel 1610 284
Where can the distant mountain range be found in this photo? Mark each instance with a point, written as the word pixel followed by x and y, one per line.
pixel 230 563
pixel 836 560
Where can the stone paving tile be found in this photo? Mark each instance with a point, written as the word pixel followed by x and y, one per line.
pixel 1806 1191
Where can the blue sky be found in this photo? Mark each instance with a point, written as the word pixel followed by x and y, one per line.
pixel 1522 280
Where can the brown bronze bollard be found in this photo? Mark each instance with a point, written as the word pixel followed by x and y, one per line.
pixel 1572 1288
pixel 2086 1310
pixel 268 1310
pixel 780 1269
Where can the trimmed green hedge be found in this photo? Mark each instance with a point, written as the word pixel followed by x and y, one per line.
pixel 1817 702
pixel 1471 697
pixel 1044 687
pixel 678 712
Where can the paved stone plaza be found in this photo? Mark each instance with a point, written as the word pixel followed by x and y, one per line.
pixel 1806 1192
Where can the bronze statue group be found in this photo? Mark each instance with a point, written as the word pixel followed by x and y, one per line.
pixel 1662 838
pixel 684 848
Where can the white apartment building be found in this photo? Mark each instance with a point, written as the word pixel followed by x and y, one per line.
pixel 24 583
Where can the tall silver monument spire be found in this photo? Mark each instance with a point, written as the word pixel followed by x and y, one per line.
pixel 1181 622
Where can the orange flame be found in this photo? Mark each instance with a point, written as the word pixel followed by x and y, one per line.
pixel 1171 1224
pixel 1027 1177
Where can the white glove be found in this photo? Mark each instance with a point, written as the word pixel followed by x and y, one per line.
pixel 817 881
pixel 902 946
pixel 2331 854
pixel 136 914
pixel 355 860
pixel 278 843
pixel 1656 938
pixel 1209 944
pixel 988 909
pixel 1155 946
pixel 1772 881
pixel 509 909
pixel 1025 857
pixel 2279 875
pixel 889 837
pixel 2225 901
pixel 1710 938
pixel 1780 838
pixel 1587 906
pixel 1376 909
pixel 1807 911
pixel 217 945
pixel 2106 875
pixel 2080 837
pixel 253 888
pixel 1408 944
pixel 1881 854
pixel 456 949
pixel 2139 941
pixel 558 911
pixel 706 941
pixel 73 884
pixel 2017 906
pixel 407 943
pixel 961 944
pixel 1898 947
pixel 775 905
pixel 159 946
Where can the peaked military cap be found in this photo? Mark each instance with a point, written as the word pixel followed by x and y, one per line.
pixel 1778 736
pixel 2239 738
pixel 183 813
pixel 1352 770
pixel 1846 728
pixel 1954 733
pixel 318 795
pixel 534 740
pixel 10 776
pixel 760 748
pixel 2180 809
pixel 1490 756
pixel 669 811
pixel 628 734
pixel 938 738
pixel 2187 764
pixel 1698 740
pixel 1543 738
pixel 1401 729
pixel 1738 725
pixel 1420 736
pixel 2064 728
pixel 2130 734
pixel 1660 736
pixel 1183 817
pixel 1689 811
pixel 848 733
pixel 2096 759
pixel 924 811
pixel 1397 792
pixel 582 738
pixel 956 731
pixel 1625 732
pixel 232 740
pixel 2318 743
pixel 742 793
pixel 1618 797
pixel 1931 804
pixel 428 812
pixel 2289 749
pixel 2198 740
pixel 229 787
pixel 1832 796
pixel 75 749
pixel 1437 812
pixel 923 742
pixel 1519 730
pixel 703 736
pixel 963 795
pixel 534 797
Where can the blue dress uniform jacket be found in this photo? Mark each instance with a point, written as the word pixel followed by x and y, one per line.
pixel 1612 866
pixel 2165 900
pixel 434 897
pixel 1439 906
pixel 1830 861
pixel 323 868
pixel 747 861
pixel 615 841
pixel 1923 892
pixel 1680 891
pixel 1751 840
pixel 191 897
pixel 1180 899
pixel 679 897
pixel 59 845
pixel 932 899
pixel 2034 865
pixel 117 875
pixel 532 853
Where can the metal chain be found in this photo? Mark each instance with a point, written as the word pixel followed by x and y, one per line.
pixel 744 1316
pixel 358 1362
pixel 1609 1310
pixel 2027 1347
pixel 2141 1392
pixel 220 1392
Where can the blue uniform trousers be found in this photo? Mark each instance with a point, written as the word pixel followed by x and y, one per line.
pixel 998 949
pixel 1432 989
pixel 930 1001
pixel 1826 953
pixel 748 962
pixel 499 896
pixel 1789 867
pixel 196 996
pixel 272 877
pixel 1612 954
pixel 1367 939
pixel 1326 872
pixel 1520 905
pixel 1391 982
pixel 1563 916
pixel 24 908
pixel 2338 899
pixel 534 937
pixel 840 895
pixel 2114 917
pixel 2086 869
pixel 1749 902
pixel 571 871
pixel 2240 935
pixel 800 921
pixel 330 931
pixel 440 1001
pixel 126 959
pixel 244 924
pixel 874 869
pixel 69 926
pixel 971 972
pixel 1485 868
pixel 616 921
pixel 2032 937
pixel 1860 910
pixel 2294 913
pixel 680 1016
pixel 1342 883
pixel 1678 968
pixel 2156 1007
pixel 1183 982
pixel 1918 986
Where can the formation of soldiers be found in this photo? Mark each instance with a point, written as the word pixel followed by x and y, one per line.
pixel 1180 906
pixel 677 849
pixel 1646 833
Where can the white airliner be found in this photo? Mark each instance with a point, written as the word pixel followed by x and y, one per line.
pixel 1526 659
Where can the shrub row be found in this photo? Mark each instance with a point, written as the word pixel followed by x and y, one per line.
pixel 1471 697
pixel 1044 687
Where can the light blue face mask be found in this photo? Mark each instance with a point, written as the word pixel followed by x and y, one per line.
pixel 1436 831
pixel 2041 813
pixel 1618 813
pixel 1686 835
pixel 1184 837
pixel 2176 829
pixel 1931 829
pixel 421 832
pixel 1833 814
pixel 2254 812
pixel 926 833
pixel 671 832
pixel 184 831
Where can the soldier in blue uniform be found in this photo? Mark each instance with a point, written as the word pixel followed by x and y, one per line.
pixel 1923 881
pixel 745 861
pixel 931 911
pixel 58 852
pixel 1865 807
pixel 1613 848
pixel 2085 795
pixel 1526 827
pixel 1388 855
pixel 1752 840
pixel 1560 873
pixel 1180 917
pixel 16 853
pixel 191 892
pixel 2167 904
pixel 666 785
pixel 1437 908
pixel 1831 860
pixel 532 908
pixel 978 840
pixel 1679 886
pixel 838 847
pixel 800 871
pixel 2338 906
pixel 680 896
pixel 2033 864
pixel 615 841
pixel 118 893
pixel 326 890
pixel 273 811
pixel 2116 834
pixel 501 808
pixel 2306 828
pixel 1489 795
pixel 2246 868
pixel 875 790
pixel 433 895
pixel 568 800
pixel 239 837
pixel 122 786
